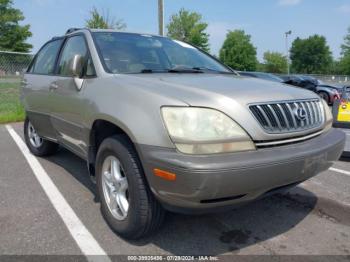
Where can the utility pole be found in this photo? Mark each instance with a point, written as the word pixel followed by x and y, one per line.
pixel 287 50
pixel 161 17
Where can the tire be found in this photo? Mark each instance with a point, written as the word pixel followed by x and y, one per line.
pixel 324 96
pixel 144 213
pixel 45 148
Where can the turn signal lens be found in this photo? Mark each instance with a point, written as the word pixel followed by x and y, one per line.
pixel 164 174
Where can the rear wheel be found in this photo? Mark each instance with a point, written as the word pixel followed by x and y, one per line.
pixel 324 96
pixel 127 203
pixel 37 145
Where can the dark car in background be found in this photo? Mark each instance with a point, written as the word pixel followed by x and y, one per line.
pixel 328 92
pixel 261 75
pixel 300 81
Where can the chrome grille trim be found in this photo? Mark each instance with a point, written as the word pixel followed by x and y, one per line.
pixel 281 117
pixel 287 141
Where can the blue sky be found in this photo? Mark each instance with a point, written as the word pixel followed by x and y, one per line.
pixel 265 20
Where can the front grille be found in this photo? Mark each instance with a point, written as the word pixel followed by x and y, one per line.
pixel 289 116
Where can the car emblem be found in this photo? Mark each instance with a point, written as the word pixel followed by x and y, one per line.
pixel 300 113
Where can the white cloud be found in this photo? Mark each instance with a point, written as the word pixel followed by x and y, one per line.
pixel 218 31
pixel 345 8
pixel 289 2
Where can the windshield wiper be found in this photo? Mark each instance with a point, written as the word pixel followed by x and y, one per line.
pixel 146 71
pixel 212 70
pixel 150 71
pixel 172 70
pixel 184 70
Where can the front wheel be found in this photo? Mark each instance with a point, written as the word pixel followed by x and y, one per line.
pixel 127 203
pixel 37 145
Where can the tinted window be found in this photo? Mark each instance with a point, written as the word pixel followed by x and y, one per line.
pixel 75 45
pixel 134 53
pixel 46 58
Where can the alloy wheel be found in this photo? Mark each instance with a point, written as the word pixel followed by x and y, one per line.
pixel 115 187
pixel 34 139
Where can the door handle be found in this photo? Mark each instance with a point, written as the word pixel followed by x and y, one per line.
pixel 53 86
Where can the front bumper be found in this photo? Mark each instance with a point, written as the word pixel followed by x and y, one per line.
pixel 214 182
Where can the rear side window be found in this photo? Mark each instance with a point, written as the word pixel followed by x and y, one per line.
pixel 75 45
pixel 46 58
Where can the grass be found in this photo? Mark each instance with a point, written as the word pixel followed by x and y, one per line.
pixel 11 109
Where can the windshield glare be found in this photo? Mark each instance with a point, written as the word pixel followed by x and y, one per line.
pixel 134 53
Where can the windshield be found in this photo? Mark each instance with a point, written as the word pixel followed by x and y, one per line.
pixel 135 53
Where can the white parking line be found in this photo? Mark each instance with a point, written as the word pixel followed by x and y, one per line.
pixel 86 242
pixel 344 172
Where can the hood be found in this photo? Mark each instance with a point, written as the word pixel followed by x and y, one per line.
pixel 227 93
pixel 198 89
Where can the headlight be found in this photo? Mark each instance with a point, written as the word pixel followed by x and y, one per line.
pixel 328 115
pixel 204 131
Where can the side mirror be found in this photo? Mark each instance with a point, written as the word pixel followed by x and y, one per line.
pixel 76 66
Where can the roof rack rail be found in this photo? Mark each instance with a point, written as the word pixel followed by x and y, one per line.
pixel 71 30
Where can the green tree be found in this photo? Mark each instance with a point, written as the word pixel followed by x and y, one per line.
pixel 344 65
pixel 238 52
pixel 189 27
pixel 311 55
pixel 335 68
pixel 260 67
pixel 275 62
pixel 103 21
pixel 13 36
pixel 346 46
pixel 344 62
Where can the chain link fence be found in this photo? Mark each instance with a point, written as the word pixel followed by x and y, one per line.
pixel 12 66
pixel 334 79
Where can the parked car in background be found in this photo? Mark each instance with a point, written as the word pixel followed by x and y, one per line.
pixel 328 92
pixel 299 81
pixel 341 111
pixel 261 75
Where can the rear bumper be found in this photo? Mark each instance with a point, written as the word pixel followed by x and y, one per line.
pixel 214 182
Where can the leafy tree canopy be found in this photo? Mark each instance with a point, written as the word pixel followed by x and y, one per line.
pixel 311 55
pixel 13 36
pixel 189 27
pixel 346 46
pixel 238 52
pixel 344 65
pixel 275 62
pixel 103 21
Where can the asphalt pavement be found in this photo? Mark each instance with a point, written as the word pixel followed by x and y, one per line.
pixel 311 219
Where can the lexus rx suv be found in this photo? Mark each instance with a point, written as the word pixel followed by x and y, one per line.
pixel 162 125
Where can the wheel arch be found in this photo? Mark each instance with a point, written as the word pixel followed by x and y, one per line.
pixel 322 91
pixel 102 128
